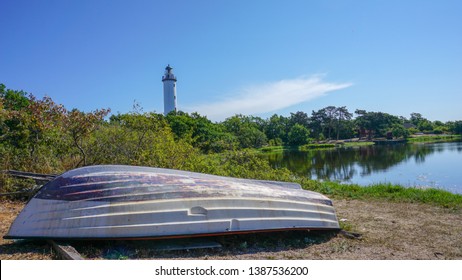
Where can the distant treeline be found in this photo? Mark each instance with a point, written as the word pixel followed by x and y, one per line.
pixel 42 136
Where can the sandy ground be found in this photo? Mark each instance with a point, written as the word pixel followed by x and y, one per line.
pixel 389 231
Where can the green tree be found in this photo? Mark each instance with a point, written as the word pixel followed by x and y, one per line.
pixel 140 139
pixel 425 126
pixel 318 122
pixel 421 123
pixel 30 128
pixel 456 127
pixel 31 131
pixel 298 135
pixel 416 118
pixel 80 125
pixel 331 120
pixel 276 129
pixel 377 124
pixel 300 118
pixel 203 134
pixel 15 116
pixel 343 119
pixel 13 99
pixel 399 131
pixel 246 131
pixel 330 113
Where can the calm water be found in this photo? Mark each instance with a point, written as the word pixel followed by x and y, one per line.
pixel 437 165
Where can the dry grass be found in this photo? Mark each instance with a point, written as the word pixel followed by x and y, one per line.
pixel 390 230
pixel 19 250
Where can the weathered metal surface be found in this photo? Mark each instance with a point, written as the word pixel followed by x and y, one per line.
pixel 141 202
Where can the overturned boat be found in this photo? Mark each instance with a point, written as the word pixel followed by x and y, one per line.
pixel 129 202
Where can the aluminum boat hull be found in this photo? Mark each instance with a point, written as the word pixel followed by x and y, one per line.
pixel 128 202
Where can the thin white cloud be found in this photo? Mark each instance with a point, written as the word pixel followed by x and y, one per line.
pixel 268 97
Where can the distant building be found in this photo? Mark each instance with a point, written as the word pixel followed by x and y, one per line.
pixel 169 80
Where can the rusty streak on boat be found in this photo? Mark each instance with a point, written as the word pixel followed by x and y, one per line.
pixel 131 202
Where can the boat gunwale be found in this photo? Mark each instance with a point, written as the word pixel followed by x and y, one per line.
pixel 177 236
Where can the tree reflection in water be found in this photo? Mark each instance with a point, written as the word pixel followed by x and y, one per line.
pixel 342 164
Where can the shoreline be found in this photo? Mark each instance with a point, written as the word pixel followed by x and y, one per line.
pixel 334 144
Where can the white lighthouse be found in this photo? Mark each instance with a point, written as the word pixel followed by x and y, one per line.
pixel 169 80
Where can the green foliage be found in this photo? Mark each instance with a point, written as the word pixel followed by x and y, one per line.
pixel 399 131
pixel 416 118
pixel 30 131
pixel 139 139
pixel 317 146
pixel 438 130
pixel 330 121
pixel 426 126
pixel 246 131
pixel 300 118
pixel 298 135
pixel 277 149
pixel 13 99
pixel 79 125
pixel 241 164
pixel 276 129
pixel 201 132
pixel 275 142
pixel 434 138
pixel 377 124
pixel 456 127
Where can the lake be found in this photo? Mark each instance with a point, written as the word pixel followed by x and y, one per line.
pixel 435 165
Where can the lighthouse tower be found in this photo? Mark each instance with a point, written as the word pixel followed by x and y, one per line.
pixel 169 80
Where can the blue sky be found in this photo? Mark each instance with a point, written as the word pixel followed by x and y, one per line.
pixel 251 57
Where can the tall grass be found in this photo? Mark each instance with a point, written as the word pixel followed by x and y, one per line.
pixel 389 192
pixel 434 138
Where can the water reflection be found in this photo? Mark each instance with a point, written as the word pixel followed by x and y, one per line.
pixel 349 164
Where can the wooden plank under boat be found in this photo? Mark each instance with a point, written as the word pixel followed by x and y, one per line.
pixel 130 202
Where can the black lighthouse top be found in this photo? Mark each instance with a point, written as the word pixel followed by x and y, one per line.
pixel 168 75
